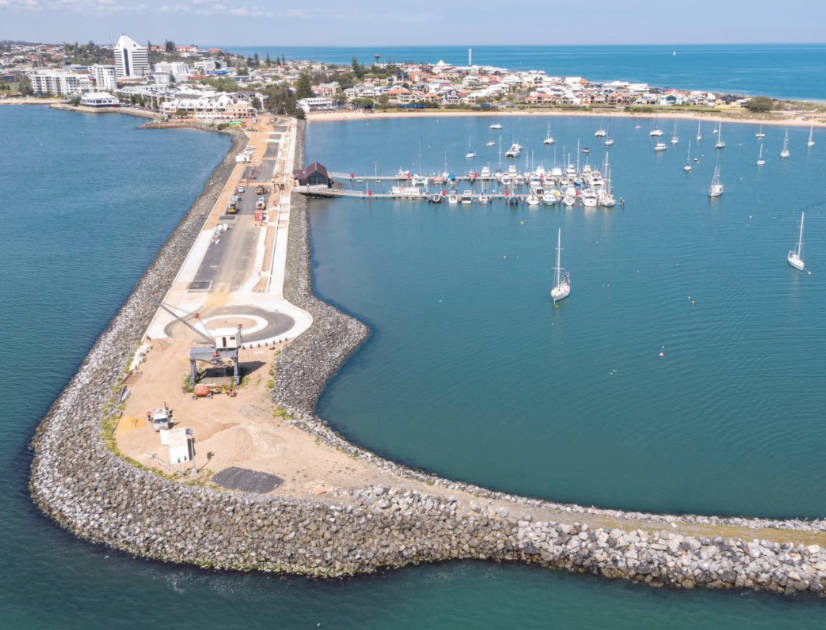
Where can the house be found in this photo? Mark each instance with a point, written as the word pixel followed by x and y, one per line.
pixel 313 175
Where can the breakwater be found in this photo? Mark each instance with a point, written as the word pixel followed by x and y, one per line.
pixel 98 496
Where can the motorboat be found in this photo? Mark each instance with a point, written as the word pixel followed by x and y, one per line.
pixel 660 146
pixel 453 198
pixel 467 197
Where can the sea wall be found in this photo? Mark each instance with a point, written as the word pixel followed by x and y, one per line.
pixel 92 492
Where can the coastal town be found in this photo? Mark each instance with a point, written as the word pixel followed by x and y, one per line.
pixel 214 86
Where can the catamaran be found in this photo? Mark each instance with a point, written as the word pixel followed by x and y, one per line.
pixel 811 141
pixel 716 188
pixel 721 144
pixel 562 281
pixel 760 133
pixel 784 154
pixel 548 139
pixel 760 160
pixel 793 257
pixel 687 168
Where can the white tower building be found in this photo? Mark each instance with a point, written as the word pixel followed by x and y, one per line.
pixel 131 59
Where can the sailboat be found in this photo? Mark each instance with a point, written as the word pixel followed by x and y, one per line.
pixel 716 188
pixel 687 168
pixel 656 132
pixel 600 133
pixel 760 133
pixel 811 141
pixel 721 144
pixel 784 154
pixel 548 139
pixel 675 138
pixel 470 154
pixel 793 257
pixel 699 133
pixel 760 160
pixel 562 281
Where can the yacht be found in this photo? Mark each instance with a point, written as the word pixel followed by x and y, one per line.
pixel 485 172
pixel 453 198
pixel 419 180
pixel 660 146
pixel 784 154
pixel 811 141
pixel 562 281
pixel 760 160
pixel 675 139
pixel 760 133
pixel 589 198
pixel 656 132
pixel 434 198
pixel 548 139
pixel 716 188
pixel 699 133
pixel 687 168
pixel 600 133
pixel 514 151
pixel 533 198
pixel 793 257
pixel 402 174
pixel 721 144
pixel 549 198
pixel 483 199
pixel 496 126
pixel 467 197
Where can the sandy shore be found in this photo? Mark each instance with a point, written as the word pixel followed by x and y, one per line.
pixel 734 115
pixel 31 101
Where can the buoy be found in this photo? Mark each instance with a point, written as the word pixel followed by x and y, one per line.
pixel 521 223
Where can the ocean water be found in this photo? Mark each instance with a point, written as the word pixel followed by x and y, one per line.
pixel 471 372
pixel 780 70
pixel 87 201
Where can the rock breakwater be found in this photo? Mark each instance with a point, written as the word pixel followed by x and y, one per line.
pixel 97 495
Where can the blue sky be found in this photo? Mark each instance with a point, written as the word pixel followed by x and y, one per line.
pixel 427 22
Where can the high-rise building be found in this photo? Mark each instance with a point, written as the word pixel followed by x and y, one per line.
pixel 131 59
pixel 104 76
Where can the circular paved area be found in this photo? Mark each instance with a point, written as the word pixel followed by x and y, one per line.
pixel 257 324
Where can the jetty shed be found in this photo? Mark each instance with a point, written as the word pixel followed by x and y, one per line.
pixel 313 175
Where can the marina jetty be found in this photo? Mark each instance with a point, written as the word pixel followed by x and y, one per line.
pixel 369 513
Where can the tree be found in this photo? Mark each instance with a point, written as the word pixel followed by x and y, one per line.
pixel 303 89
pixel 169 46
pixel 759 104
pixel 357 69
pixel 268 61
pixel 25 86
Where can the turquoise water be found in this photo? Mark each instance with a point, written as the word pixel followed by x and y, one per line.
pixel 781 70
pixel 471 372
pixel 76 239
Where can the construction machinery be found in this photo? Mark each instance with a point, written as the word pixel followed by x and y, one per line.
pixel 219 349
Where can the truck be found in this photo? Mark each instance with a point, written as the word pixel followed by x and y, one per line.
pixel 160 418
pixel 260 204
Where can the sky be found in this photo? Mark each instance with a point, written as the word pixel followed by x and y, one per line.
pixel 425 22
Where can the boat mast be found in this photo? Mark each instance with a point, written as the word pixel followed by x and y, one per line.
pixel 558 267
pixel 800 237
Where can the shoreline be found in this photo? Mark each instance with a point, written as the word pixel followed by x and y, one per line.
pixel 340 116
pixel 88 489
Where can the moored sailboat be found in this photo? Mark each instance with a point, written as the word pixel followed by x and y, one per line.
pixel 716 187
pixel 562 280
pixel 794 256
pixel 785 153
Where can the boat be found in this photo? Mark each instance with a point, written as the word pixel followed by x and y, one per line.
pixel 760 160
pixel 721 144
pixel 496 126
pixel 406 191
pixel 811 141
pixel 600 133
pixel 485 172
pixel 688 168
pixel 483 199
pixel 533 199
pixel 793 257
pixel 656 132
pixel 402 174
pixel 453 198
pixel 716 188
pixel 589 198
pixel 548 139
pixel 609 142
pixel 549 198
pixel 699 132
pixel 675 139
pixel 784 154
pixel 490 143
pixel 470 154
pixel 467 197
pixel 435 198
pixel 568 200
pixel 562 281
pixel 760 133
pixel 514 151
pixel 586 150
pixel 660 146
pixel 419 180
